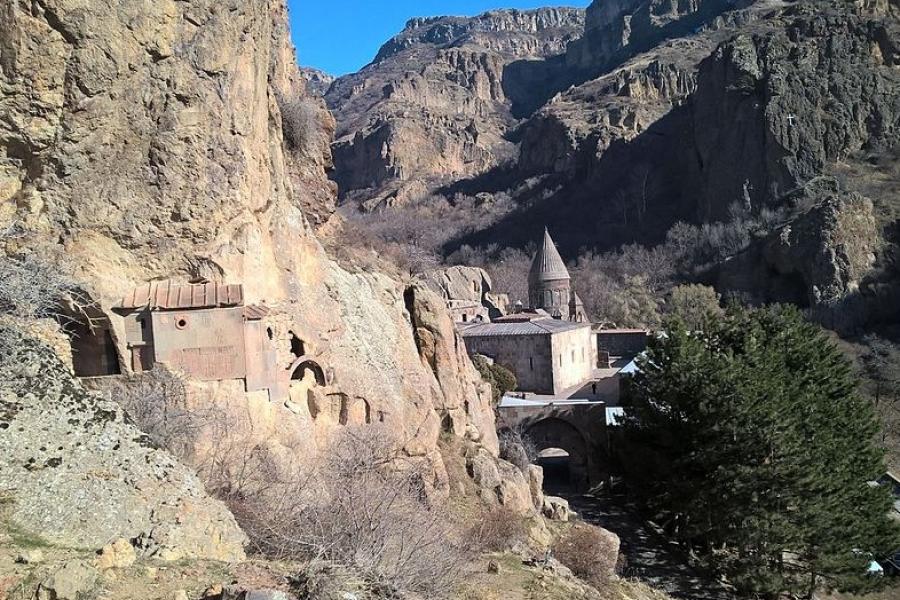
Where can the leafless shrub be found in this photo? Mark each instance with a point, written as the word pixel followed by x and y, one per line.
pixel 364 506
pixel 497 530
pixel 517 447
pixel 156 402
pixel 33 287
pixel 589 553
pixel 300 123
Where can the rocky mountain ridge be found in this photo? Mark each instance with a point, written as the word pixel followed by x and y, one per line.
pixel 664 112
pixel 438 100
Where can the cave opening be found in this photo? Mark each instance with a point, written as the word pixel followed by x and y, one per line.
pixel 297 347
pixel 557 466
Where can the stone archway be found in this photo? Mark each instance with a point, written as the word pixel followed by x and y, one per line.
pixel 555 433
pixel 304 364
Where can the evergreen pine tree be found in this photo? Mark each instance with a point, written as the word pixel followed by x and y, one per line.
pixel 748 438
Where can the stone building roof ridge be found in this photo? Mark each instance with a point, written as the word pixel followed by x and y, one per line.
pixel 547 265
pixel 166 295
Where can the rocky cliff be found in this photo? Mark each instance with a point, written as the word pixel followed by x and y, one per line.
pixel 75 474
pixel 699 110
pixel 439 99
pixel 147 141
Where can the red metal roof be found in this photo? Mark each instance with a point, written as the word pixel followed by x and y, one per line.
pixel 165 295
pixel 255 312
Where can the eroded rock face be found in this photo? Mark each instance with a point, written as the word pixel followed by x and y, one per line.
pixel 615 29
pixel 147 141
pixel 465 287
pixel 79 476
pixel 439 99
pixel 819 260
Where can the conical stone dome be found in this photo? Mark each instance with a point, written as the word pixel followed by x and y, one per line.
pixel 547 265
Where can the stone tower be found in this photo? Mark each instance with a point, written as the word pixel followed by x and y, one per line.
pixel 549 284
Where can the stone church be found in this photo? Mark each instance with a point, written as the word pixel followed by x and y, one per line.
pixel 549 285
pixel 549 345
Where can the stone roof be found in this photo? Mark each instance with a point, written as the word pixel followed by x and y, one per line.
pixel 545 326
pixel 547 265
pixel 165 295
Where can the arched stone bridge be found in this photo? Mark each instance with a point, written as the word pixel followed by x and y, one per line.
pixel 576 426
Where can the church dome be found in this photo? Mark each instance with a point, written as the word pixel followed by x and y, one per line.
pixel 547 265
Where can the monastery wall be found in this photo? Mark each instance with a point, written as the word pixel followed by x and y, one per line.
pixel 528 356
pixel 574 357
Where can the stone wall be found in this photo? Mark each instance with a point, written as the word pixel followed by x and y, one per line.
pixel 530 357
pixel 574 357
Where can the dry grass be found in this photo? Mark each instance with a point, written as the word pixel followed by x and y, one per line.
pixel 363 506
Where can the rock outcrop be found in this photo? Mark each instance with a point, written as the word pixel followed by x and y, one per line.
pixel 147 142
pixel 818 261
pixel 439 99
pixel 317 82
pixel 75 474
pixel 467 290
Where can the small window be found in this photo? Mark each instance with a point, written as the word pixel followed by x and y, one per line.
pixel 181 322
pixel 560 360
pixel 270 333
pixel 531 363
pixel 573 355
pixel 465 317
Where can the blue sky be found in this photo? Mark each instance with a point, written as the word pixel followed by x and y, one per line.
pixel 340 36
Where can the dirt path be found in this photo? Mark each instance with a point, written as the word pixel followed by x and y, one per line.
pixel 651 558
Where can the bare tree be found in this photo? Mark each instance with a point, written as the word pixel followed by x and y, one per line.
pixel 517 447
pixel 363 505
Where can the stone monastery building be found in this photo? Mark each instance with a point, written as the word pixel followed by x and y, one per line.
pixel 550 345
pixel 205 331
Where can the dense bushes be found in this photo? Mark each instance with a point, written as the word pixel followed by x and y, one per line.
pixel 363 505
pixel 412 235
pixel 300 123
pixel 497 530
pixel 502 380
pixel 589 552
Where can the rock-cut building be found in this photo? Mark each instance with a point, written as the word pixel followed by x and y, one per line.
pixel 549 345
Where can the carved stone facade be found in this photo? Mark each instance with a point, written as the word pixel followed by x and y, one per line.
pixel 204 331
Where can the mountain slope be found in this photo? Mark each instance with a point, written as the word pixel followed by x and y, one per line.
pixel 703 112
pixel 439 99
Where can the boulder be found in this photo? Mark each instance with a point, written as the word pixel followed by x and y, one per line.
pixel 482 468
pixel 30 557
pixel 118 555
pixel 535 476
pixel 73 581
pixel 239 593
pixel 81 475
pixel 557 509
pixel 514 492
